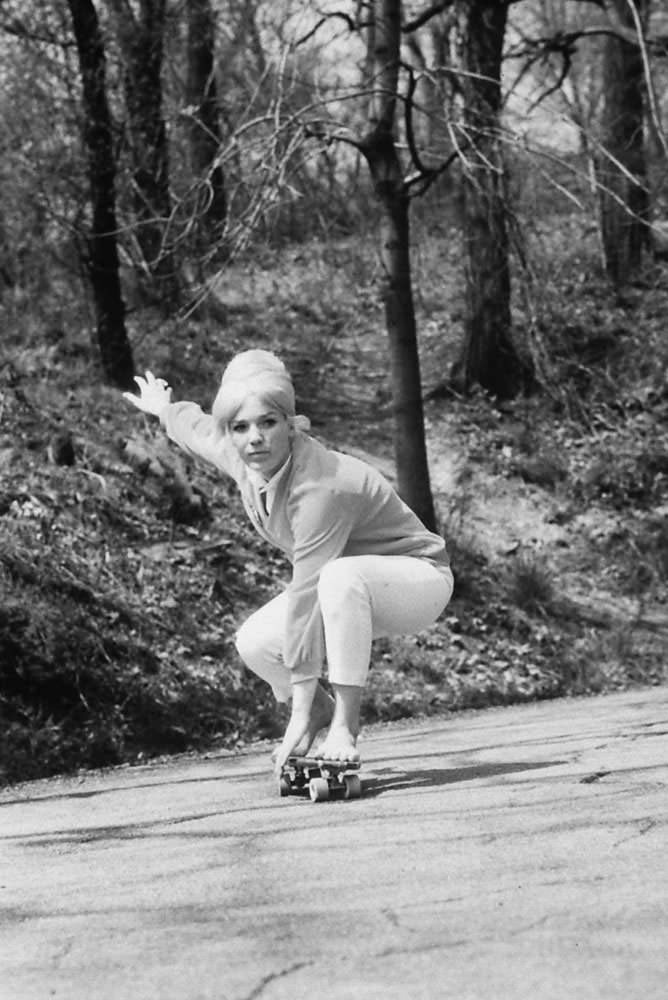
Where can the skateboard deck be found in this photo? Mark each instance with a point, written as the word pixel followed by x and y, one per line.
pixel 319 778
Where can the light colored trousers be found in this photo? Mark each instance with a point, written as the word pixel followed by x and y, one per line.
pixel 361 598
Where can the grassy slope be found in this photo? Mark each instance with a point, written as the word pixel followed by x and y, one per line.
pixel 122 575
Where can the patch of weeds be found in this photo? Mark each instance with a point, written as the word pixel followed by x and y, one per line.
pixel 525 447
pixel 649 543
pixel 470 568
pixel 530 586
pixel 626 471
pixel 610 659
pixel 580 665
pixel 474 662
pixel 543 469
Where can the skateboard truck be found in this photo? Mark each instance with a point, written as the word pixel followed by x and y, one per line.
pixel 322 779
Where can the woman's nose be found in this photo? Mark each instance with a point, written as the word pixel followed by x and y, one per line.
pixel 255 433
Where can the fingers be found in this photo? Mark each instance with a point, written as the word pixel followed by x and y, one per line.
pixel 279 761
pixel 154 393
pixel 137 400
pixel 149 381
pixel 141 385
pixel 296 730
pixel 283 752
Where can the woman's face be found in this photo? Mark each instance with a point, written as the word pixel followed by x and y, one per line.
pixel 261 435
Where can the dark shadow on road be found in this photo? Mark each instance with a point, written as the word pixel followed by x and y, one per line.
pixel 162 782
pixel 390 780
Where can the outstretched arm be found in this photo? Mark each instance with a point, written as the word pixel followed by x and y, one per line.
pixel 185 423
pixel 154 394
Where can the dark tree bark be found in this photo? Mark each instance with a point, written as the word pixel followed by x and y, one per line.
pixel 102 257
pixel 622 175
pixel 141 38
pixel 380 151
pixel 489 356
pixel 205 135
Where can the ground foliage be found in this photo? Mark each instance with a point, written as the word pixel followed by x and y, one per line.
pixel 124 568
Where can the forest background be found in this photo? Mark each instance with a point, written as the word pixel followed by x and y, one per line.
pixel 449 219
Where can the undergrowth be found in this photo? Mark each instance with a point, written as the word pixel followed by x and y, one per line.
pixel 125 569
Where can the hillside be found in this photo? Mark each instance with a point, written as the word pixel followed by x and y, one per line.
pixel 124 569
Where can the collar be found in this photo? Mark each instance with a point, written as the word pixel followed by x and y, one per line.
pixel 268 487
pixel 265 485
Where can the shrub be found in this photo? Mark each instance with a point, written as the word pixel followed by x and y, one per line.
pixel 530 585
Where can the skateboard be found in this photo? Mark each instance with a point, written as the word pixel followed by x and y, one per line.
pixel 322 779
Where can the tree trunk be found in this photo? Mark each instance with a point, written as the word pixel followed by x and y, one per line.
pixel 205 137
pixel 142 42
pixel 102 259
pixel 622 174
pixel 489 357
pixel 379 149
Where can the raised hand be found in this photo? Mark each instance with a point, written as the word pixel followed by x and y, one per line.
pixel 154 394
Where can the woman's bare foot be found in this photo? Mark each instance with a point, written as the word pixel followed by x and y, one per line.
pixel 341 740
pixel 339 744
pixel 322 711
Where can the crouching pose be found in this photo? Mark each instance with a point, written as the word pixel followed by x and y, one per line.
pixel 363 564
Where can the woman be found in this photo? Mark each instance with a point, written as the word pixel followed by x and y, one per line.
pixel 363 564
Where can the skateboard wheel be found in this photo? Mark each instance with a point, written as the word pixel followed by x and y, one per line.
pixel 284 786
pixel 318 789
pixel 352 786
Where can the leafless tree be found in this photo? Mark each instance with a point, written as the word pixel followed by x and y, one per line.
pixel 102 257
pixel 622 169
pixel 489 356
pixel 140 29
pixel 205 132
pixel 379 147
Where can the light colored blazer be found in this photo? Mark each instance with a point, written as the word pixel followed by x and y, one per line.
pixel 326 505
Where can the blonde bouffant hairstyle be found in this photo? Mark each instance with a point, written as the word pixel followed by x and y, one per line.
pixel 253 373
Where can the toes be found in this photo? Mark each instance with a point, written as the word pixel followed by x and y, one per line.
pixel 346 752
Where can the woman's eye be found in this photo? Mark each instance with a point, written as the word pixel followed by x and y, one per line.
pixel 239 428
pixel 269 422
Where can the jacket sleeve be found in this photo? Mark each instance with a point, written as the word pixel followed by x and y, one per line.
pixel 197 433
pixel 321 524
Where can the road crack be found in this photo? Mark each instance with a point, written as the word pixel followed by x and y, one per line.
pixel 271 977
pixel 596 776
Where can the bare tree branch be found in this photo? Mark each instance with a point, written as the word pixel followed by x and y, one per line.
pixel 565 40
pixel 409 105
pixel 562 44
pixel 421 19
pixel 649 78
pixel 350 22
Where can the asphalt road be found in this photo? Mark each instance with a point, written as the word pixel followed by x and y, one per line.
pixel 510 854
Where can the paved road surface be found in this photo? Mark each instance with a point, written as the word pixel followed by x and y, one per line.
pixel 511 854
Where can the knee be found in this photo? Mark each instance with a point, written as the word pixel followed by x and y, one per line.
pixel 247 642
